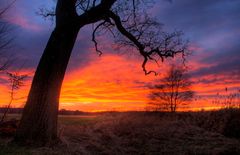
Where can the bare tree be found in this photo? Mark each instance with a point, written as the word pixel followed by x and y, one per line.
pixel 131 26
pixel 228 99
pixel 16 82
pixel 173 91
pixel 5 40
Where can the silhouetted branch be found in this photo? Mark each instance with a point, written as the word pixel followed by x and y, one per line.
pixel 46 13
pixel 16 81
pixel 94 36
pixel 168 46
pixel 138 30
pixel 6 8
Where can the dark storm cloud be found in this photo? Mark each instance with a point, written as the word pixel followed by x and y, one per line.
pixel 2 80
pixel 228 54
pixel 199 16
pixel 144 85
pixel 224 62
pixel 205 22
pixel 229 69
pixel 29 46
pixel 31 33
pixel 213 25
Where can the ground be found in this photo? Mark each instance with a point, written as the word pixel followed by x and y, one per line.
pixel 143 133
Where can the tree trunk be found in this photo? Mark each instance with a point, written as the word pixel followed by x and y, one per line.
pixel 38 125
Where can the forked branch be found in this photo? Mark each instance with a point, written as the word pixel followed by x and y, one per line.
pixel 168 46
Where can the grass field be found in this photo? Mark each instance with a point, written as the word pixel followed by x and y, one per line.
pixel 64 122
pixel 198 133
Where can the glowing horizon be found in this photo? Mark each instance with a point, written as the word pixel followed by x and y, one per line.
pixel 104 85
pixel 116 81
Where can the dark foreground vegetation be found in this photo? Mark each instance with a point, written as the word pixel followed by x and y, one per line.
pixel 214 133
pixel 60 112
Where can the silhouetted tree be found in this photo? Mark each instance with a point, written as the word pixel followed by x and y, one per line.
pixel 16 81
pixel 131 26
pixel 228 99
pixel 174 90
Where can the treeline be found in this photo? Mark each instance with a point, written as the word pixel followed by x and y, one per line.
pixel 11 110
pixel 73 112
pixel 60 112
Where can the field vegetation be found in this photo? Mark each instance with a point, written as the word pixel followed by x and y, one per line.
pixel 205 132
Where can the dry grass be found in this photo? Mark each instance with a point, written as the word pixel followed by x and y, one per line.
pixel 141 133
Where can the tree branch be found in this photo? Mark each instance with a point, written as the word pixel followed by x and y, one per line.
pixel 168 46
pixel 94 37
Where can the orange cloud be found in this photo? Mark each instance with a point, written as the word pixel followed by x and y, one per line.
pixel 110 82
pixel 117 82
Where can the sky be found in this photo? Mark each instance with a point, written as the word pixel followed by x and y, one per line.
pixel 115 81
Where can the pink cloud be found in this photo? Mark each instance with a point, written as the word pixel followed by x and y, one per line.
pixel 23 22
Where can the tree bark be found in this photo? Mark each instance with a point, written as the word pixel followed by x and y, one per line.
pixel 39 120
pixel 38 125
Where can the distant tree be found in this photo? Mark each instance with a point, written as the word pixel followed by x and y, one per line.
pixel 228 99
pixel 16 82
pixel 174 90
pixel 5 40
pixel 130 24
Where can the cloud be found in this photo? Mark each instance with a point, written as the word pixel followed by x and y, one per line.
pixel 115 81
pixel 24 23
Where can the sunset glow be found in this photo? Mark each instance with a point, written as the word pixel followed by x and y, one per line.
pixel 105 85
pixel 116 81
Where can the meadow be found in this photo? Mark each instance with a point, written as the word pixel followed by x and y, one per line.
pixel 182 133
